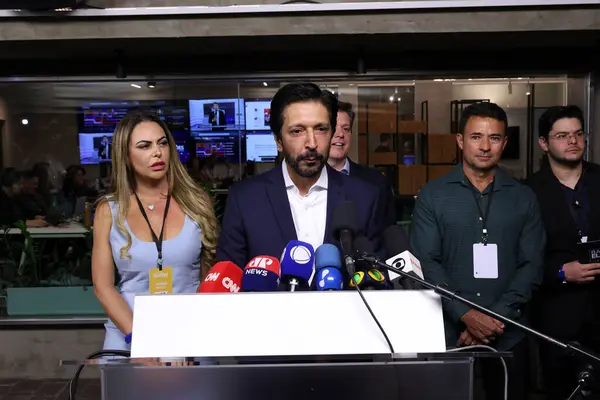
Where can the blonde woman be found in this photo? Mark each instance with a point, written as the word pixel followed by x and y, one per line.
pixel 158 227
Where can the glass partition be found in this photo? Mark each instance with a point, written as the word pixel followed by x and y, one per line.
pixel 55 137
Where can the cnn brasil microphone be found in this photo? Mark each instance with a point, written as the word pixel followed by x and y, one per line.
pixel 297 265
pixel 328 264
pixel 223 277
pixel 261 275
pixel 344 225
pixel 396 242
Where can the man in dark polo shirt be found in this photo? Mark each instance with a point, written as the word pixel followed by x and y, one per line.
pixel 568 303
pixel 480 232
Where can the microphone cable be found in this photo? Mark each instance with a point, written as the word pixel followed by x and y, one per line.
pixel 75 379
pixel 482 346
pixel 387 339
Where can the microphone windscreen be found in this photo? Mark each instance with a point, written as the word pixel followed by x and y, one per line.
pixel 327 255
pixel 223 277
pixel 261 275
pixel 395 240
pixel 345 217
pixel 298 260
pixel 329 279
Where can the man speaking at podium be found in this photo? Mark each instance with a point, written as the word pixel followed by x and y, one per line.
pixel 480 232
pixel 296 199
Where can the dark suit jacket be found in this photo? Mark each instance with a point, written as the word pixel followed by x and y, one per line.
pixel 213 119
pixel 103 149
pixel 258 219
pixel 564 310
pixel 386 194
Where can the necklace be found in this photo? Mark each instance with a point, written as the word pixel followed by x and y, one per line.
pixel 151 207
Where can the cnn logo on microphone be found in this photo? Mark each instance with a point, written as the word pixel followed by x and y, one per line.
pixel 227 282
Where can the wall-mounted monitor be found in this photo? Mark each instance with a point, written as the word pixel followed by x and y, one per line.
pixel 258 115
pixel 223 145
pixel 93 148
pixel 261 147
pixel 216 115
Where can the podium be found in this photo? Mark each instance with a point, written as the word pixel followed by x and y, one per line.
pixel 289 346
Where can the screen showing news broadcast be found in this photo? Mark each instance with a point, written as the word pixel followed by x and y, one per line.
pixel 216 115
pixel 258 115
pixel 261 147
pixel 225 145
pixel 95 148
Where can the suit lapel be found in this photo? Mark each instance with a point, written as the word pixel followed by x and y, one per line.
pixel 280 204
pixel 335 195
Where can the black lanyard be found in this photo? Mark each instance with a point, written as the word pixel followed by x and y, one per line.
pixel 158 241
pixel 482 217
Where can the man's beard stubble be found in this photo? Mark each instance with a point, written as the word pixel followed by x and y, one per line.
pixel 294 163
pixel 563 161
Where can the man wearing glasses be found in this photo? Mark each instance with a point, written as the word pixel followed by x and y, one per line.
pixel 568 302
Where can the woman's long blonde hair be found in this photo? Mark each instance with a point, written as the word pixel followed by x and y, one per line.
pixel 193 200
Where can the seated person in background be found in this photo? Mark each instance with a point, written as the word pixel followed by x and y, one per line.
pixel 11 210
pixel 76 185
pixel 32 202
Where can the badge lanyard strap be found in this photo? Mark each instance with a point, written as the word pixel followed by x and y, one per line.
pixel 158 241
pixel 484 218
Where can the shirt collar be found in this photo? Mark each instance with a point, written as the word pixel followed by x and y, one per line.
pixel 320 183
pixel 346 167
pixel 501 178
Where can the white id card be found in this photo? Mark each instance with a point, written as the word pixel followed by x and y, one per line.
pixel 485 261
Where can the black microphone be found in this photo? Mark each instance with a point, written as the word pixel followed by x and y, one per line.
pixel 344 225
pixel 395 242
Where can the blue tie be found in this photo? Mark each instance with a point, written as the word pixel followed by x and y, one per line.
pixel 345 172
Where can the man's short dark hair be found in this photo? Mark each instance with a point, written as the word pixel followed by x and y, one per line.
pixel 553 114
pixel 297 92
pixel 347 108
pixel 483 109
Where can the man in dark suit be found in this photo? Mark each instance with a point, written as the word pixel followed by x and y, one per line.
pixel 568 191
pixel 296 199
pixel 217 118
pixel 339 160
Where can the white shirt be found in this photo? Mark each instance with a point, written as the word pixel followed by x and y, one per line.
pixel 310 211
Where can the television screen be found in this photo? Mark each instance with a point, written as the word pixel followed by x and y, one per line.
pixel 225 145
pixel 184 154
pixel 258 115
pixel 104 117
pixel 216 115
pixel 93 149
pixel 261 147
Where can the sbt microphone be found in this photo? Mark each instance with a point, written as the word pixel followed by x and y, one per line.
pixel 223 277
pixel 261 275
pixel 328 264
pixel 297 265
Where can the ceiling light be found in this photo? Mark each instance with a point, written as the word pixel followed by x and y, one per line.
pixel 24 121
pixel 265 84
pixel 135 85
pixel 151 85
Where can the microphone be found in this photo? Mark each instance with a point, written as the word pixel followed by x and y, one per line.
pixel 368 276
pixel 328 264
pixel 223 277
pixel 297 264
pixel 261 275
pixel 344 224
pixel 396 244
pixel 372 279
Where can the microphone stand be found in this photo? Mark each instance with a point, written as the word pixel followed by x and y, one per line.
pixel 584 377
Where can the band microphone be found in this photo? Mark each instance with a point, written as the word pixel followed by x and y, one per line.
pixel 368 276
pixel 261 275
pixel 223 277
pixel 297 265
pixel 328 265
pixel 397 248
pixel 344 224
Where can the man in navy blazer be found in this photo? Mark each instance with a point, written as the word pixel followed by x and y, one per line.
pixel 296 199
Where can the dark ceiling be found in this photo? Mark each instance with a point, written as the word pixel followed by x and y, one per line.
pixel 552 52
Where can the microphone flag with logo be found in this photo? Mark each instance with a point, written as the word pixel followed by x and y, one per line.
pixel 328 264
pixel 261 275
pixel 223 277
pixel 297 265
